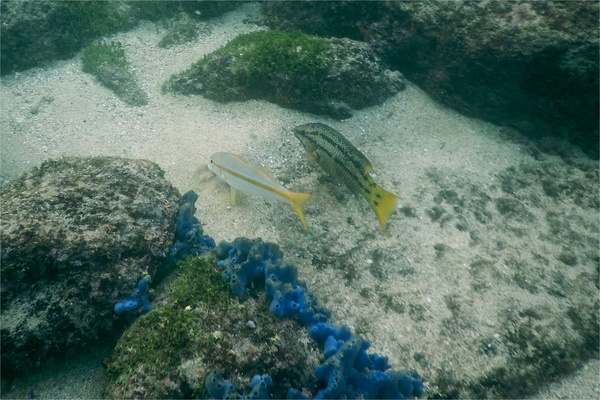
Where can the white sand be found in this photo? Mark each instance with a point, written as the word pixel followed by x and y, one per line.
pixel 407 137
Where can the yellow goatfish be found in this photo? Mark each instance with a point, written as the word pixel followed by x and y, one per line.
pixel 251 179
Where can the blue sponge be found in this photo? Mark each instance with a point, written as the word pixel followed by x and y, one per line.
pixel 344 375
pixel 137 300
pixel 322 330
pixel 332 345
pixel 348 370
pixel 295 394
pixel 189 238
pixel 217 387
pixel 258 387
pixel 336 386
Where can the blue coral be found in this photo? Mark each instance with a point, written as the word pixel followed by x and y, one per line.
pixel 137 300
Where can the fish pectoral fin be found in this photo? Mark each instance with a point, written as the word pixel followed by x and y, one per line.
pixel 232 194
pixel 311 156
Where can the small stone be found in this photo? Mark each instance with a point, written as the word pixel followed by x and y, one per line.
pixel 250 324
pixel 568 258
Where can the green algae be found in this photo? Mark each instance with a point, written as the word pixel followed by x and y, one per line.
pixel 259 55
pixel 107 62
pixel 286 52
pixel 94 57
pixel 185 290
pixel 183 29
pixel 196 326
pixel 157 342
pixel 292 69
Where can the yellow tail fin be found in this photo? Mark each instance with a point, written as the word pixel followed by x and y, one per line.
pixel 384 203
pixel 297 200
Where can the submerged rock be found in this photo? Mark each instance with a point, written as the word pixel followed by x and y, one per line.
pixel 107 62
pixel 531 66
pixel 184 29
pixel 323 76
pixel 77 235
pixel 197 327
pixel 35 31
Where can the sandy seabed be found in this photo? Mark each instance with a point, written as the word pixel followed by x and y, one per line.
pixel 413 142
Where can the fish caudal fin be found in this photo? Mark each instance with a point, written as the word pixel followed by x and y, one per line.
pixel 297 199
pixel 384 203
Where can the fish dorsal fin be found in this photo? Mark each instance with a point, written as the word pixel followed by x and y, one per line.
pixel 264 170
pixel 267 172
pixel 241 158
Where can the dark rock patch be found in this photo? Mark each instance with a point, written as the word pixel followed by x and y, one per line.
pixel 36 31
pixel 183 29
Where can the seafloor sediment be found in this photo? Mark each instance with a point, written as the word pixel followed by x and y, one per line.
pixel 486 281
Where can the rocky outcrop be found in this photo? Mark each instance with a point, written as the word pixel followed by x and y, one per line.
pixel 77 235
pixel 304 72
pixel 37 31
pixel 530 66
pixel 197 327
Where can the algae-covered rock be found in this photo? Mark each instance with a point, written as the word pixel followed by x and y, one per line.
pixel 532 66
pixel 107 62
pixel 77 235
pixel 182 30
pixel 196 328
pixel 35 31
pixel 309 73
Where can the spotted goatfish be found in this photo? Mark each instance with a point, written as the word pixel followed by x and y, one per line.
pixel 340 159
pixel 251 179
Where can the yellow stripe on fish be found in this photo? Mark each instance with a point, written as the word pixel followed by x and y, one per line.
pixel 340 159
pixel 251 179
